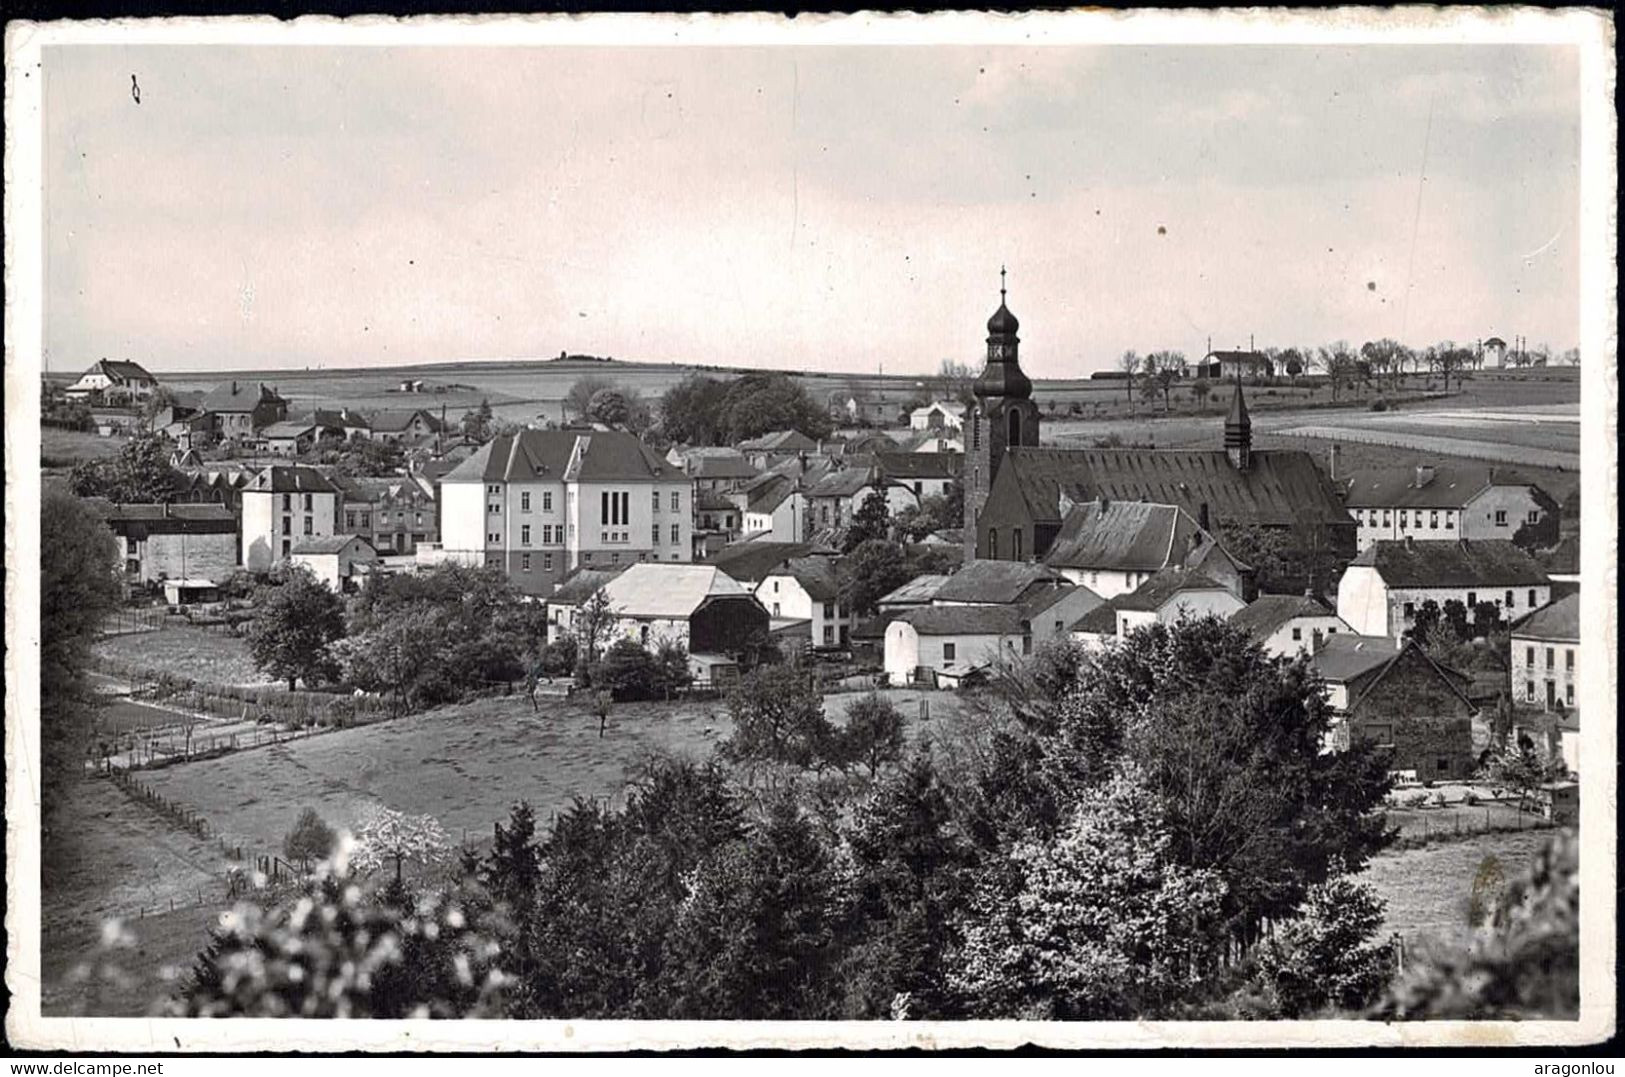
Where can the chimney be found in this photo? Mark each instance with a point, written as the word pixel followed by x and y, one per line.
pixel 1410 542
pixel 1424 474
pixel 1201 516
pixel 1333 455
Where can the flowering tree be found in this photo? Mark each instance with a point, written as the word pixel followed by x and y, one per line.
pixel 388 835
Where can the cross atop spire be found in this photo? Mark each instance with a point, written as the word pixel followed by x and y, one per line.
pixel 1001 284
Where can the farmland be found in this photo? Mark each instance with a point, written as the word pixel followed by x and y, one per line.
pixel 195 653
pixel 64 448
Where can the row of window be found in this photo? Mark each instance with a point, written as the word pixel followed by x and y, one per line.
pixel 287 525
pixel 525 563
pixel 615 506
pixel 1507 601
pixel 1568 658
pixel 1551 693
pixel 287 503
pixel 1017 547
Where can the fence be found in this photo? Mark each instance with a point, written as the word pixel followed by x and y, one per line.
pixel 247 703
pixel 134 619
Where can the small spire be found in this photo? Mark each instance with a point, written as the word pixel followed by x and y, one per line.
pixel 1001 285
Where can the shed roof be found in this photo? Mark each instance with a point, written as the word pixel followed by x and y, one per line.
pixel 1480 563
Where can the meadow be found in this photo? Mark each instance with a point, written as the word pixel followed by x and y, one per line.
pixel 63 448
pixel 198 654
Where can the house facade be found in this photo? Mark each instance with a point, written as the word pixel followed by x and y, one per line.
pixel 1446 503
pixel 1289 625
pixel 541 503
pixel 173 542
pixel 806 589
pixel 938 415
pixel 281 506
pixel 699 607
pixel 339 561
pixel 394 515
pixel 1112 547
pixel 1545 651
pixel 111 377
pixel 1381 590
pixel 242 409
pixel 1401 700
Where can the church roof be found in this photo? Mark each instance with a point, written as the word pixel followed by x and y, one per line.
pixel 1003 323
pixel 1237 419
pixel 1279 488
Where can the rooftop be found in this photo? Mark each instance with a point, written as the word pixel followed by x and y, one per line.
pixel 920 465
pixel 751 560
pixel 292 479
pixel 1154 593
pixel 1559 621
pixel 668 590
pixel 560 455
pixel 1123 536
pixel 1266 613
pixel 1481 562
pixel 999 582
pixel 581 584
pixel 918 591
pixel 1345 656
pixel 328 544
pixel 1448 486
pixel 983 620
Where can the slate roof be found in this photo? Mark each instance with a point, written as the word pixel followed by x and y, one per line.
pixel 139 520
pixel 1121 536
pixel 564 455
pixel 950 536
pixel 1151 595
pixel 1100 621
pixel 1266 613
pixel 988 620
pixel 670 590
pixel 719 464
pixel 711 501
pixel 328 544
pixel 1281 488
pixel 816 575
pixel 999 582
pixel 121 370
pixel 1562 559
pixel 1558 621
pixel 581 584
pixel 780 441
pixel 1450 486
pixel 768 496
pixel 236 396
pixel 920 465
pixel 292 479
pixel 920 590
pixel 394 420
pixel 1481 563
pixel 752 560
pixel 1345 656
pixel 843 483
pixel 288 428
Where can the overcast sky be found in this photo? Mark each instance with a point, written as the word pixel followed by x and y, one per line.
pixel 833 208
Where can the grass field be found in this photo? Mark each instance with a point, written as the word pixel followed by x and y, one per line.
pixel 64 448
pixel 1428 890
pixel 197 653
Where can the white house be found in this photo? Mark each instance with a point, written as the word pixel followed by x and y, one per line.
pixel 938 415
pixel 1444 503
pixel 1112 547
pixel 1287 625
pixel 541 503
pixel 1382 588
pixel 336 560
pixel 116 375
pixel 698 606
pixel 1545 647
pixel 282 505
pixel 924 474
pixel 806 589
pixel 945 644
pixel 1164 598
pixel 836 498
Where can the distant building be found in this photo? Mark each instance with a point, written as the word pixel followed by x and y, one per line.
pixel 1381 590
pixel 1289 625
pixel 697 606
pixel 806 589
pixel 395 515
pixel 1544 649
pixel 925 474
pixel 1112 547
pixel 938 415
pixel 1444 503
pixel 769 449
pixel 242 409
pixel 837 497
pixel 540 503
pixel 339 561
pixel 718 470
pixel 172 542
pixel 1163 599
pixel 405 426
pixel 1230 365
pixel 282 505
pixel 1401 700
pixel 108 377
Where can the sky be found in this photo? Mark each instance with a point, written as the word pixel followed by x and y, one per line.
pixel 818 208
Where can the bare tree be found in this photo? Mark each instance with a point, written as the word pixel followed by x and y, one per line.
pixel 1160 370
pixel 1337 360
pixel 957 380
pixel 1129 364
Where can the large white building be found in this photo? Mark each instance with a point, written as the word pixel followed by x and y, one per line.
pixel 1430 503
pixel 1381 590
pixel 114 376
pixel 1545 648
pixel 540 503
pixel 282 506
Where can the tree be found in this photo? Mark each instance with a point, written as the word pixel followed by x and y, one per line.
pixel 1100 921
pixel 140 474
pixel 513 867
pixel 958 380
pixel 628 672
pixel 1523 768
pixel 610 407
pixel 1294 363
pixel 578 400
pixel 873 735
pixel 397 657
pixel 872 521
pixel 1159 370
pixel 757 404
pixel 295 626
pixel 310 839
pixel 1388 357
pixel 1129 363
pixel 79 588
pixel 1337 360
pixel 593 624
pixel 691 412
pixel 477 423
pixel 388 837
pixel 870 571
pixel 1324 959
pixel 778 717
pixel 1200 391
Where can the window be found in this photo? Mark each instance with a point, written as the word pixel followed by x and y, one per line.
pixel 491 507
pixel 524 535
pixel 1529 691
pixel 366 519
pixel 493 488
pixel 829 635
pixel 603 507
pixel 1531 598
pixel 1385 518
pixel 1472 602
pixel 993 544
pixel 1534 516
pixel 829 611
pixel 286 546
pixel 1297 635
pixel 654 500
pixel 524 501
pixel 308 526
pixel 676 501
pixel 1015 544
pixel 1500 517
pixel 287 525
pixel 654 534
pixel 287 502
pixel 547 501
pixel 1568 659
pixel 1410 611
pixel 524 562
pixel 1449 521
pixel 1568 694
pixel 1443 765
pixel 1404 519
pixel 307 503
pixel 615 558
pixel 948 653
pixel 419 520
pixel 1548 658
pixel 547 562
pixel 1433 520
pixel 775 609
pixel 1509 600
pixel 587 557
pixel 1528 656
pixel 676 534
pixel 349 519
pixel 493 538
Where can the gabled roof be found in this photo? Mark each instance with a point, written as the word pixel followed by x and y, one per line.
pixel 1154 593
pixel 120 370
pixel 237 396
pixel 290 428
pixel 1480 563
pixel 843 483
pixel 1559 621
pixel 581 585
pixel 954 409
pixel 984 620
pixel 291 479
pixel 1267 613
pixel 769 495
pixel 328 544
pixel 1447 486
pixel 1345 656
pixel 780 441
pixel 180 518
pixel 920 465
pixel 920 590
pixel 719 464
pixel 1100 621
pixel 1279 488
pixel 752 560
pixel 999 582
pixel 395 420
pixel 1562 559
pixel 668 590
pixel 1459 683
pixel 816 575
pixel 342 417
pixel 1121 536
pixel 558 455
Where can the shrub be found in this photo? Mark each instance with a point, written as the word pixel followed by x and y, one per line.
pixel 628 671
pixel 559 657
pixel 310 839
pixel 1379 404
pixel 1471 798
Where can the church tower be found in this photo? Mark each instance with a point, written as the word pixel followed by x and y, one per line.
pixel 1004 417
pixel 1238 432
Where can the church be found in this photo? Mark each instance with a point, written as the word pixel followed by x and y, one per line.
pixel 1017 490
